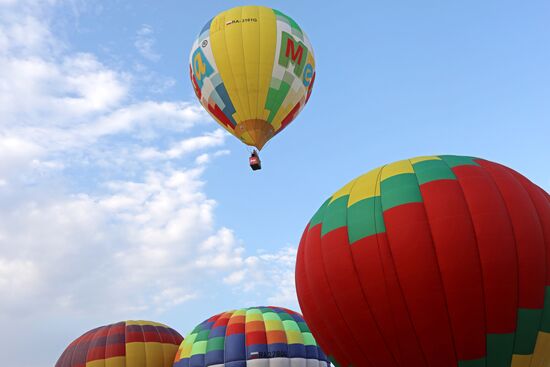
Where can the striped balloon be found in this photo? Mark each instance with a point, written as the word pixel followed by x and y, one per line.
pixel 431 261
pixel 251 337
pixel 252 69
pixel 124 344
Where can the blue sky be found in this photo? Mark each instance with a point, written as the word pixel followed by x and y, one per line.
pixel 120 198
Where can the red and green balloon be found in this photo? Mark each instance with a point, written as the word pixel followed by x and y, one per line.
pixel 433 261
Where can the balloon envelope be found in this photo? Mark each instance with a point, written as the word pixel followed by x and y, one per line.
pixel 124 344
pixel 256 336
pixel 431 261
pixel 253 69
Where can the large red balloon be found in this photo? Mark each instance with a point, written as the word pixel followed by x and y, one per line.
pixel 433 261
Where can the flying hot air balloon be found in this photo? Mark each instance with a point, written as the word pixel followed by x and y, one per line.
pixel 253 70
pixel 430 261
pixel 251 337
pixel 124 344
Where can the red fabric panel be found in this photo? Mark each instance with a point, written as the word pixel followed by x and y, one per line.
pixel 235 325
pixel 528 236
pixel 416 265
pixel 496 247
pixel 316 321
pixel 376 273
pixel 256 337
pixel 455 244
pixel 116 349
pixel 541 201
pixel 326 304
pixel 96 349
pixel 348 295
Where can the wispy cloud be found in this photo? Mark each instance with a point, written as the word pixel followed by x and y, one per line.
pixel 145 42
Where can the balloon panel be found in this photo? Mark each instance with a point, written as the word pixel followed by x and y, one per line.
pixel 129 343
pixel 258 336
pixel 440 260
pixel 252 69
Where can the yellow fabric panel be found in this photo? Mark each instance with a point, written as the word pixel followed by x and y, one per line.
pixel 154 354
pixel 396 168
pixel 135 354
pixel 268 45
pixel 219 44
pixel 239 313
pixel 541 356
pixel 143 322
pixel 185 347
pixel 521 360
pixel 254 317
pixel 366 186
pixel 109 362
pixel 343 191
pixel 251 53
pixel 274 325
pixel 294 337
pixel 169 351
pixel 425 158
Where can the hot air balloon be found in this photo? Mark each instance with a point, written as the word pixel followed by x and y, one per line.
pixel 251 337
pixel 253 70
pixel 431 261
pixel 124 344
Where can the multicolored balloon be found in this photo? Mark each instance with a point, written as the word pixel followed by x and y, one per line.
pixel 252 69
pixel 124 344
pixel 251 337
pixel 430 261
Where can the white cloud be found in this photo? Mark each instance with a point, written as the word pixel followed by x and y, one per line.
pixel 145 43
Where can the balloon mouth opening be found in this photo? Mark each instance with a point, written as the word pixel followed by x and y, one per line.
pixel 254 132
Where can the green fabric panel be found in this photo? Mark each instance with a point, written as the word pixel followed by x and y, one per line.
pixel 303 327
pixel 335 215
pixel 365 219
pixel 527 330
pixel 457 160
pixel 275 98
pixel 198 348
pixel 290 325
pixel 309 339
pixel 427 171
pixel 290 21
pixel 500 348
pixel 253 311
pixel 270 316
pixel 398 190
pixel 473 363
pixel 318 216
pixel 203 335
pixel 286 317
pixel 545 322
pixel 216 343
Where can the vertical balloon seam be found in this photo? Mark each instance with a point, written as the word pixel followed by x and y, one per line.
pixel 514 176
pixel 377 233
pixel 380 260
pixel 363 295
pixel 507 210
pixel 476 236
pixel 437 262
pixel 522 180
pixel 244 64
pixel 300 283
pixel 338 340
pixel 378 183
pixel 104 349
pixel 509 172
pixel 404 297
pixel 342 315
pixel 228 64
